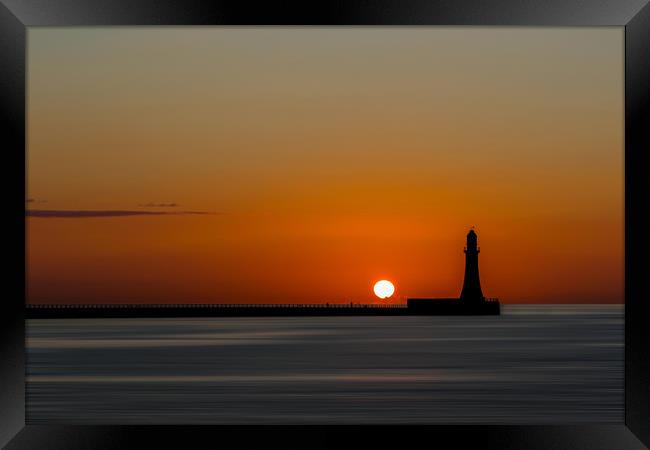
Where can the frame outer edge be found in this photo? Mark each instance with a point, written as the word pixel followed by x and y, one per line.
pixel 12 323
pixel 637 143
pixel 326 12
pixel 12 124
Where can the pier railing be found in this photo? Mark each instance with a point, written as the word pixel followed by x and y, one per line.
pixel 423 307
pixel 228 305
pixel 215 305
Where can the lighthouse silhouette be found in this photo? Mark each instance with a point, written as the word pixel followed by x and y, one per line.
pixel 471 292
pixel 471 301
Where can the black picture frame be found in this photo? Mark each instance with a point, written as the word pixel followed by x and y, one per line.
pixel 17 15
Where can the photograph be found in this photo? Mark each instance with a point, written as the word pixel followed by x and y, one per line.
pixel 315 225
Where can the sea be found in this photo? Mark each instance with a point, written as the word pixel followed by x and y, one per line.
pixel 554 364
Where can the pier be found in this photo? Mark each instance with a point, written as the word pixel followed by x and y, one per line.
pixel 471 302
pixel 417 308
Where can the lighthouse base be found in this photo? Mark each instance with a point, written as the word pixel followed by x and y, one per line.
pixel 453 307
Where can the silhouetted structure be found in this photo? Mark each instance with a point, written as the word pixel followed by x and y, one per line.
pixel 471 284
pixel 472 301
pixel 215 310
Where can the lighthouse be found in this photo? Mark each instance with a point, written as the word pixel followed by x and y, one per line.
pixel 471 302
pixel 471 292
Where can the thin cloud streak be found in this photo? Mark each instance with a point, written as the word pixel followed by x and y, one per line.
pixel 159 205
pixel 83 214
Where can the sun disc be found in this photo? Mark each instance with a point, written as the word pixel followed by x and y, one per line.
pixel 384 289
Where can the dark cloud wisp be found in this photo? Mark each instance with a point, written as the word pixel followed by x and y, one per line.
pixel 82 214
pixel 159 205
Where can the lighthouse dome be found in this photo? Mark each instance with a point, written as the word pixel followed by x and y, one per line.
pixel 472 239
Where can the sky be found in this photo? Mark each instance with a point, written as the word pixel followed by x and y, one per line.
pixel 303 164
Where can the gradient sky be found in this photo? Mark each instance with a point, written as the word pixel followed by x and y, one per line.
pixel 303 164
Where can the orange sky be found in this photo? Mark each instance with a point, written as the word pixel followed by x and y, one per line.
pixel 326 159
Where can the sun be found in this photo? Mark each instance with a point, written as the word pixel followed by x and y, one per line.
pixel 383 289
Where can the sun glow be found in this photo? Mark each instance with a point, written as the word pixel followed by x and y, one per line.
pixel 384 289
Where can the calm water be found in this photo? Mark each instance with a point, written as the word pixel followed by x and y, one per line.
pixel 532 364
